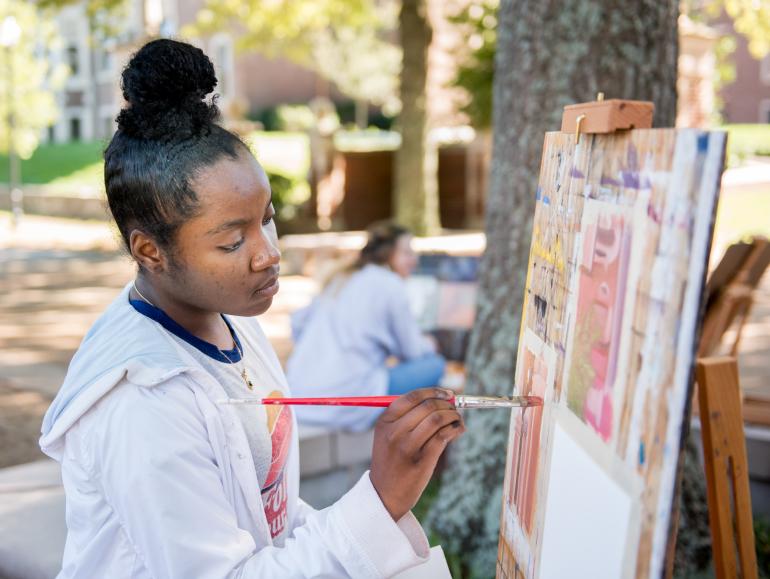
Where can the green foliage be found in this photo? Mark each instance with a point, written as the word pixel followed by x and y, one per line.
pixel 369 140
pixel 762 543
pixel 295 118
pixel 747 140
pixel 288 194
pixel 751 19
pixel 476 69
pixel 105 17
pixel 724 71
pixel 361 63
pixel 286 153
pixel 282 27
pixel 52 162
pixel 28 79
pixel 339 39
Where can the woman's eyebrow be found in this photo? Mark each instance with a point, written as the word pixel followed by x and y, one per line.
pixel 229 225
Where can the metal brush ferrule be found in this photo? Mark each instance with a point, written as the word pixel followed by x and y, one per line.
pixel 468 401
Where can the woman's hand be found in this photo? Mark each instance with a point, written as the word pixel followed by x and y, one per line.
pixel 409 438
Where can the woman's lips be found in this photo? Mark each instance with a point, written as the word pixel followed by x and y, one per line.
pixel 269 289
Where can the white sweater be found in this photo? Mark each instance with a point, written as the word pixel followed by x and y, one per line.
pixel 160 482
pixel 342 340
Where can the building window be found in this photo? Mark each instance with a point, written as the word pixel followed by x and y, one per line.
pixel 105 60
pixel 109 127
pixel 72 59
pixel 764 69
pixel 74 129
pixel 222 50
pixel 764 111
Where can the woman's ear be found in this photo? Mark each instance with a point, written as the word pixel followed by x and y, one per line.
pixel 146 251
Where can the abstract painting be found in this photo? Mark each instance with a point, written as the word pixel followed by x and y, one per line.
pixel 620 243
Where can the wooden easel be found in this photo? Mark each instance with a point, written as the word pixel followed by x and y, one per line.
pixel 719 395
pixel 730 292
pixel 727 473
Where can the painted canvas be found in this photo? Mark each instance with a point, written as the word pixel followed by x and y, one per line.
pixel 442 297
pixel 620 243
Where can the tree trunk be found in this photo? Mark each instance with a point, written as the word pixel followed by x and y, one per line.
pixel 416 162
pixel 549 54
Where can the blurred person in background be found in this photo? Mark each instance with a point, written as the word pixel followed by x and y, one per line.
pixel 346 336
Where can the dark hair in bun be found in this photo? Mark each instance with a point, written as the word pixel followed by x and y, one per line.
pixel 166 134
pixel 165 85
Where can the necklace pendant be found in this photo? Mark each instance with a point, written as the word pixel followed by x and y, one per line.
pixel 245 377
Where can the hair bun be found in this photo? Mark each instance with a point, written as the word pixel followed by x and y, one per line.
pixel 165 85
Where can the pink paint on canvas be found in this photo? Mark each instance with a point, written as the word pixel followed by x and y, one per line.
pixel 604 255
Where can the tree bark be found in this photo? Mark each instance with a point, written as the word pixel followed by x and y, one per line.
pixel 549 54
pixel 416 161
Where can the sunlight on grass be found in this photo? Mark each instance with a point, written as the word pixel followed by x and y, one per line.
pixel 746 141
pixel 743 212
pixel 90 178
pixel 52 162
pixel 80 166
pixel 282 152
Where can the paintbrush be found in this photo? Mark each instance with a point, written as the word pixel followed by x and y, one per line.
pixel 459 400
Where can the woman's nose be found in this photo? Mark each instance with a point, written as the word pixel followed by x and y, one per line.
pixel 268 255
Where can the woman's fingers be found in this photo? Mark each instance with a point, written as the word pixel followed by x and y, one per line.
pixel 432 449
pixel 410 400
pixel 430 425
pixel 417 414
pixel 408 439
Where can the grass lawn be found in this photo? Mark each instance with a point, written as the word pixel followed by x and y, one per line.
pixel 282 152
pixel 78 165
pixel 51 164
pixel 743 211
pixel 747 140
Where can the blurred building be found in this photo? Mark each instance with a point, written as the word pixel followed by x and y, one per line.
pixel 247 82
pixel 747 98
pixel 91 99
pixel 88 100
pixel 696 74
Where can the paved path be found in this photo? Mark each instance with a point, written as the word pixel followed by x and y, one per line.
pixel 50 297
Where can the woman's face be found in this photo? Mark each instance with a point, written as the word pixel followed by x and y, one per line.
pixel 226 257
pixel 403 260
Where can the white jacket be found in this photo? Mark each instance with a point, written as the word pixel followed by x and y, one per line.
pixel 160 481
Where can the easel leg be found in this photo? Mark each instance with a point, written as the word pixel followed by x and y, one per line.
pixel 727 479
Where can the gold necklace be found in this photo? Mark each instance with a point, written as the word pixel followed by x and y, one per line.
pixel 244 375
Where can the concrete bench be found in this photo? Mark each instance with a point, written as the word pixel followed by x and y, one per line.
pixel 331 462
pixel 32 528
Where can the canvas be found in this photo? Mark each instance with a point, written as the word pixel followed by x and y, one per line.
pixel 620 243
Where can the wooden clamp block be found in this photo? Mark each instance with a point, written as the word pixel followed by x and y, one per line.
pixel 607 116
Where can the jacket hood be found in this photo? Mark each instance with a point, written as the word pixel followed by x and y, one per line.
pixel 122 344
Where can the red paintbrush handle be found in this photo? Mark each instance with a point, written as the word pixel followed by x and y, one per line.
pixel 374 401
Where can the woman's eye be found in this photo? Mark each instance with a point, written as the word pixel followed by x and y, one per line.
pixel 267 220
pixel 232 247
